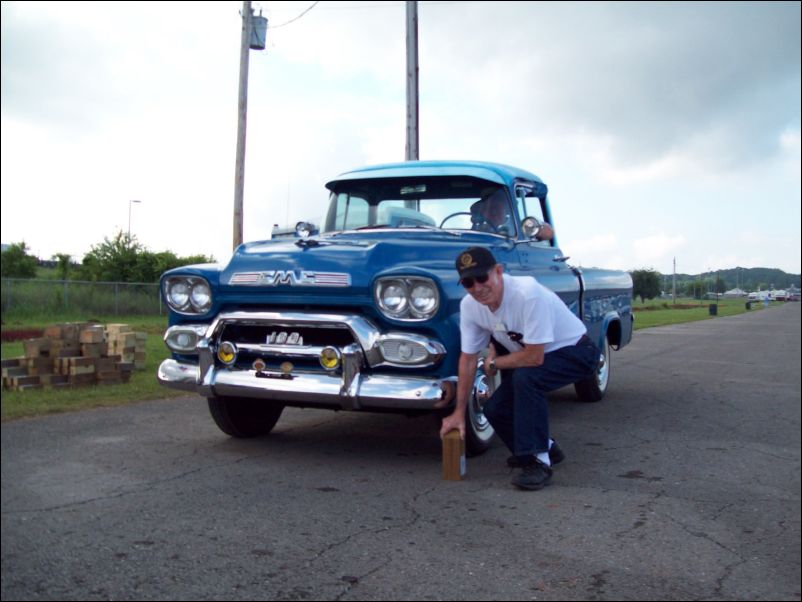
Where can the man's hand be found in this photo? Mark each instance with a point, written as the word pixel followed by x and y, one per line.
pixel 491 356
pixel 453 421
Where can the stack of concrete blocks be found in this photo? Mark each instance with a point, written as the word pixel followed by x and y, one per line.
pixel 76 354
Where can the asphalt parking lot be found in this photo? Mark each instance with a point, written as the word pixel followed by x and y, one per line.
pixel 684 484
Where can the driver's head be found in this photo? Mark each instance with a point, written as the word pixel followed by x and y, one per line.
pixel 492 206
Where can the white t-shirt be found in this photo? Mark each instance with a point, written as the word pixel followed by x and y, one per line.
pixel 527 309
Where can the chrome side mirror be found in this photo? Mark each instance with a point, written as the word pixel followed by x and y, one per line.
pixel 531 227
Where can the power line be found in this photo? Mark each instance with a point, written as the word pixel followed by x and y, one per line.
pixel 296 18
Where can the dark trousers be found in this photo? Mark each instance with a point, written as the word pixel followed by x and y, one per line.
pixel 519 411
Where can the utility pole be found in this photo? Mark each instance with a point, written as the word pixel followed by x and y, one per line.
pixel 412 150
pixel 242 112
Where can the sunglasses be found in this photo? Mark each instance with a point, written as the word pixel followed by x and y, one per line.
pixel 469 281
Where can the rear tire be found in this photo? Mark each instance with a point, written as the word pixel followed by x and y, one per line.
pixel 593 389
pixel 242 417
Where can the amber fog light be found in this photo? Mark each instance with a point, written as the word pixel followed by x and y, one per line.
pixel 330 358
pixel 227 353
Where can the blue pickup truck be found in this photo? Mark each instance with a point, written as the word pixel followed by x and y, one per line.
pixel 361 312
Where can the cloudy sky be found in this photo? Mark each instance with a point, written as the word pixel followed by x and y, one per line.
pixel 662 129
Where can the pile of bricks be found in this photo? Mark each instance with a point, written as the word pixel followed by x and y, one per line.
pixel 77 354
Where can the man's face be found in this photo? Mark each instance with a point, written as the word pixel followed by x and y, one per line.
pixel 487 293
pixel 494 211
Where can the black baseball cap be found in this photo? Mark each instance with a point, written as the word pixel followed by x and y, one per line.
pixel 475 261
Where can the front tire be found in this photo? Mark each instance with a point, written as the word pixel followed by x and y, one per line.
pixel 244 418
pixel 478 431
pixel 593 389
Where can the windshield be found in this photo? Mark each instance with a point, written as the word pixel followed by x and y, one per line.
pixel 448 203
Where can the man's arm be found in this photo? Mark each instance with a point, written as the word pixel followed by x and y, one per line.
pixel 529 356
pixel 466 375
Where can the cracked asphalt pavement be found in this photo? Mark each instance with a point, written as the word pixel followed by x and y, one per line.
pixel 683 484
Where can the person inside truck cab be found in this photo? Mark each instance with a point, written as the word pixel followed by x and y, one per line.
pixel 492 213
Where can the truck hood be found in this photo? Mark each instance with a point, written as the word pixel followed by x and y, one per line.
pixel 347 263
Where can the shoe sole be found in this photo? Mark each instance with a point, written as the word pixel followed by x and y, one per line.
pixel 534 487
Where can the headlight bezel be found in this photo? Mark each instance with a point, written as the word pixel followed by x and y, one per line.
pixel 199 297
pixel 410 308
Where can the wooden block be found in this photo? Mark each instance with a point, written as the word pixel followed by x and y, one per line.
pixel 82 379
pixel 13 371
pixel 53 380
pixel 118 328
pixel 62 364
pixel 125 339
pixel 78 380
pixel 53 332
pixel 454 467
pixel 81 361
pixel 12 362
pixel 93 334
pixel 39 365
pixel 72 330
pixel 93 349
pixel 22 381
pixel 105 364
pixel 27 387
pixel 109 378
pixel 66 349
pixel 36 347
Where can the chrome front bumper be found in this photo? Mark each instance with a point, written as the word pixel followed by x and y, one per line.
pixel 348 388
pixel 395 392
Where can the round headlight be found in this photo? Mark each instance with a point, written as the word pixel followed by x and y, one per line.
pixel 394 298
pixel 410 298
pixel 201 296
pixel 178 293
pixel 423 299
pixel 188 294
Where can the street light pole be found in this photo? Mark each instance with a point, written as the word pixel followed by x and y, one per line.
pixel 129 217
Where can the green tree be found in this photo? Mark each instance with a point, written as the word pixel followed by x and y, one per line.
pixel 63 265
pixel 113 260
pixel 16 263
pixel 124 259
pixel 645 284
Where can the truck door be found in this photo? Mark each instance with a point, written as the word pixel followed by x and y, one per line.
pixel 543 259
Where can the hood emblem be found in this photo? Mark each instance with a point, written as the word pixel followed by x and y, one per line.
pixel 291 278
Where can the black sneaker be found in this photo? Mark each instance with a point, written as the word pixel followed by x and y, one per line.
pixel 556 456
pixel 533 476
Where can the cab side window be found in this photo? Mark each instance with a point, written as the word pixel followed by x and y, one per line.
pixel 530 205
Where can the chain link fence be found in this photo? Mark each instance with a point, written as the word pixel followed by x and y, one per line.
pixel 26 298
